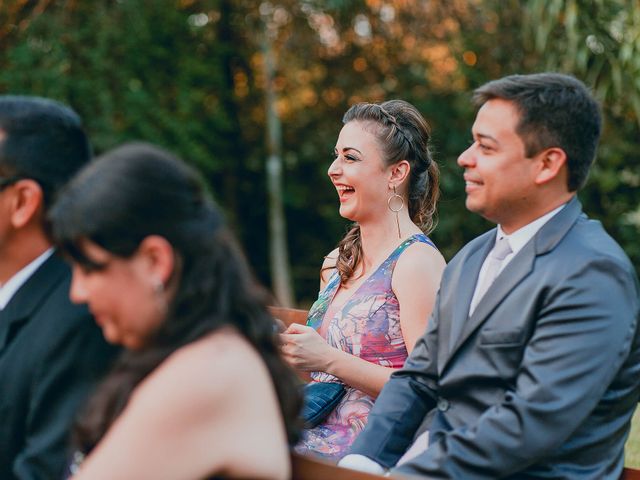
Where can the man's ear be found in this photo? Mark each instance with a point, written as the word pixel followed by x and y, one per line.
pixel 158 256
pixel 399 173
pixel 27 202
pixel 552 160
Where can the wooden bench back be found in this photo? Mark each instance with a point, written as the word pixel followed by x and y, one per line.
pixel 289 315
pixel 630 474
pixel 308 468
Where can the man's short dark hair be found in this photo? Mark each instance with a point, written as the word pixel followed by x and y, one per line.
pixel 556 110
pixel 43 140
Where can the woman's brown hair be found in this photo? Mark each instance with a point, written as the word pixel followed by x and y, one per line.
pixel 402 134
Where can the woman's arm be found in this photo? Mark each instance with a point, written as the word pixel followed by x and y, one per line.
pixel 304 349
pixel 208 409
pixel 415 282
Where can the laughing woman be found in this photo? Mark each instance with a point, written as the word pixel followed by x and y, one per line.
pixel 378 287
pixel 201 390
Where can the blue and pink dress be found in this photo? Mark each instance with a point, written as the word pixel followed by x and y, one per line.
pixel 367 325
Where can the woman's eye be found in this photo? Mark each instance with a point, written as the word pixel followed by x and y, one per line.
pixel 347 157
pixel 88 268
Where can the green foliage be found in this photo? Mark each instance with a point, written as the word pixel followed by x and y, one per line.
pixel 189 75
pixel 632 447
pixel 599 41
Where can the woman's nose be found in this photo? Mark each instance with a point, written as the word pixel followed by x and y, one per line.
pixel 334 168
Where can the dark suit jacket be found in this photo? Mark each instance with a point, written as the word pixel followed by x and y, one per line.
pixel 540 382
pixel 51 355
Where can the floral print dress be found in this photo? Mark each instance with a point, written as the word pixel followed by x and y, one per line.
pixel 367 326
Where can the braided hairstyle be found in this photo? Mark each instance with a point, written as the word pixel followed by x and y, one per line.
pixel 402 134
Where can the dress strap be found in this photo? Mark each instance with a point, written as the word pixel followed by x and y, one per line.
pixel 418 237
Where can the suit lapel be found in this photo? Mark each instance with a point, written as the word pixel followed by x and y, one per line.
pixel 520 267
pixel 29 297
pixel 512 275
pixel 456 310
pixel 466 288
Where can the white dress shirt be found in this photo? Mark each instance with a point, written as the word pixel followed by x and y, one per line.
pixel 11 286
pixel 517 240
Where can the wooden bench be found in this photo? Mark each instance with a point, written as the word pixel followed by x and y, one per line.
pixel 308 468
pixel 289 315
pixel 630 474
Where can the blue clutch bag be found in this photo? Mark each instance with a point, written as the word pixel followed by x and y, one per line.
pixel 320 398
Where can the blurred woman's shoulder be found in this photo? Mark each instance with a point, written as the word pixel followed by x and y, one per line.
pixel 223 357
pixel 219 392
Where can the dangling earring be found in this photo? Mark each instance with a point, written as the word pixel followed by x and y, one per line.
pixel 395 203
pixel 158 290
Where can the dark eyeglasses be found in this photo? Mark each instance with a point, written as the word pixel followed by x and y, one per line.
pixel 7 181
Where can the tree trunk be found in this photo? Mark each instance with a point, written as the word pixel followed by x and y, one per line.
pixel 278 256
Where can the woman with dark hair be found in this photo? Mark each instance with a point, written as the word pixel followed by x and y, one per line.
pixel 378 287
pixel 201 390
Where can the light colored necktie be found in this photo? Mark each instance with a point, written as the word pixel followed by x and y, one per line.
pixel 494 261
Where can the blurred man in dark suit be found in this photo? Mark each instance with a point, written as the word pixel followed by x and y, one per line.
pixel 51 351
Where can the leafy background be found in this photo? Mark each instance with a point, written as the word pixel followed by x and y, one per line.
pixel 191 75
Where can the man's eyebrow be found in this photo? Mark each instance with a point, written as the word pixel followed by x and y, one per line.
pixel 484 136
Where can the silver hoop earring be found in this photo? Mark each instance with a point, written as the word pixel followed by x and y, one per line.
pixel 395 203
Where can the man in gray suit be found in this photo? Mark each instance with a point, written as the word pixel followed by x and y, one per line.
pixel 531 360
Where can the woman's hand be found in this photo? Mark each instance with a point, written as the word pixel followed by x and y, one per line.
pixel 304 349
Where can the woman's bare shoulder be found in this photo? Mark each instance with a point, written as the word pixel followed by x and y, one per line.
pixel 419 258
pixel 201 393
pixel 206 368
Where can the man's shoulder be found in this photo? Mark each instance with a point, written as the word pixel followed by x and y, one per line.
pixel 55 306
pixel 587 242
pixel 49 319
pixel 473 246
pixel 593 236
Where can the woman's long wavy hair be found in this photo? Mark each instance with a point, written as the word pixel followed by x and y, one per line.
pixel 139 190
pixel 402 134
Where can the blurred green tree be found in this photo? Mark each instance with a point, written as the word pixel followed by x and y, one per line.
pixel 599 41
pixel 190 75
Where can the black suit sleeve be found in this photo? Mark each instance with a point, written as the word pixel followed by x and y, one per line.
pixel 77 358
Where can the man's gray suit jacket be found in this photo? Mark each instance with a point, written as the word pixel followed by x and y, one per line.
pixel 540 382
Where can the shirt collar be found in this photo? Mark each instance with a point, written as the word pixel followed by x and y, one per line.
pixel 519 238
pixel 11 286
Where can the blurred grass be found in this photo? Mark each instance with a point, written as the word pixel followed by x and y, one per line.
pixel 632 448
